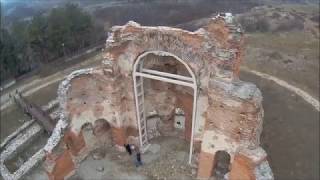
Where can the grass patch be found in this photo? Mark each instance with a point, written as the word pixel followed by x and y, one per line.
pixel 307 9
pixel 291 43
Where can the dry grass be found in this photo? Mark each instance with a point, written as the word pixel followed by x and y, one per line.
pixel 307 9
pixel 291 56
pixel 291 43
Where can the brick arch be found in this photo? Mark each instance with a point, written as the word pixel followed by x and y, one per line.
pixel 138 69
pixel 101 126
pixel 166 54
pixel 185 101
pixel 128 42
pixel 172 45
pixel 195 65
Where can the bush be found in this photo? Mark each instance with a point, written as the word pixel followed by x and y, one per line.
pixel 275 55
pixel 275 15
pixel 253 25
pixel 262 25
pixel 248 24
pixel 315 18
pixel 289 25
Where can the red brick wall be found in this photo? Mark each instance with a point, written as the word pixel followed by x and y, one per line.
pixel 74 142
pixel 63 166
pixel 119 136
pixel 131 131
pixel 205 165
pixel 242 168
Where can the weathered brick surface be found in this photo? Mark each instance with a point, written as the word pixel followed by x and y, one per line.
pixel 131 131
pixel 231 116
pixel 101 126
pixel 242 169
pixel 119 136
pixel 63 167
pixel 74 142
pixel 205 166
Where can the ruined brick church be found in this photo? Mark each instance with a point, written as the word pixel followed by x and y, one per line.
pixel 164 72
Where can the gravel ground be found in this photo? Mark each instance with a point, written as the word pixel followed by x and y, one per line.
pixel 169 160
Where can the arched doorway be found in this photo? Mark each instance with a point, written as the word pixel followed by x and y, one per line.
pixel 221 164
pixel 140 72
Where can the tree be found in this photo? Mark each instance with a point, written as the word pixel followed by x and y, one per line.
pixel 69 29
pixel 8 59
pixel 19 33
pixel 37 37
pixel 80 25
pixel 44 38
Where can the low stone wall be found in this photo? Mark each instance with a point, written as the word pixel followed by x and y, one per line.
pixel 17 141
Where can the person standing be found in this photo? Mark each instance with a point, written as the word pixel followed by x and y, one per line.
pixel 139 161
pixel 137 157
pixel 128 148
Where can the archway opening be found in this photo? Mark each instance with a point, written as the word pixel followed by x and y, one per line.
pixel 102 133
pixel 97 134
pixel 221 164
pixel 87 127
pixel 100 127
pixel 164 83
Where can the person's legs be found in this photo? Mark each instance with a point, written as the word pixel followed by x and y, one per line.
pixel 139 159
pixel 129 149
pixel 136 162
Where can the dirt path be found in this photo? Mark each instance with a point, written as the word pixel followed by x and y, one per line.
pixel 290 131
pixel 304 95
pixel 40 83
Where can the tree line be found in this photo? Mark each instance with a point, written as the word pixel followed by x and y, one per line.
pixel 29 44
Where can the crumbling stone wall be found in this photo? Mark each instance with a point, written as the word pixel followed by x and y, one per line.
pixel 229 115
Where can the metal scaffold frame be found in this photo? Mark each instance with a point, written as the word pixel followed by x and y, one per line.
pixel 139 72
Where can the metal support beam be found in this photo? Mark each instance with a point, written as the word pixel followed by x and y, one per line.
pixel 174 76
pixel 194 111
pixel 159 78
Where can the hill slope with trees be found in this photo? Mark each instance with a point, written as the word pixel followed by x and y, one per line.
pixel 28 44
